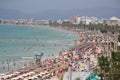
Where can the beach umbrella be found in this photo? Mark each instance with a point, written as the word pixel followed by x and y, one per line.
pixel 42 73
pixel 46 72
pixel 78 51
pixel 2 74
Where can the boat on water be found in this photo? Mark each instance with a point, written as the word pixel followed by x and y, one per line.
pixel 28 58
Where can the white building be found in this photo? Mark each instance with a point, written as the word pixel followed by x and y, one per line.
pixel 100 21
pixel 118 22
pixel 59 21
pixel 112 21
pixel 41 22
pixel 75 19
pixel 83 20
pixel 87 20
pixel 78 20
pixel 114 18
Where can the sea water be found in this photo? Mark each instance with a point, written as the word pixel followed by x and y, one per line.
pixel 27 41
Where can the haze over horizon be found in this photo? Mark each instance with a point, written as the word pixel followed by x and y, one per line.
pixel 56 9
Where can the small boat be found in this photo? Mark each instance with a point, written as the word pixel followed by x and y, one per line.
pixel 28 58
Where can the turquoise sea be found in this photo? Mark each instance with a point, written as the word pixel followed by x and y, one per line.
pixel 26 41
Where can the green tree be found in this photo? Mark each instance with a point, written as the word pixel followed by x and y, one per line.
pixel 104 65
pixel 61 77
pixel 115 65
pixel 77 78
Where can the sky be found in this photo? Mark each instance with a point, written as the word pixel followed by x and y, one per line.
pixel 33 7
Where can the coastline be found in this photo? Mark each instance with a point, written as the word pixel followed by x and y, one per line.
pixel 57 65
pixel 51 27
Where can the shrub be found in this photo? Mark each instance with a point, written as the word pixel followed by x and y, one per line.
pixel 77 78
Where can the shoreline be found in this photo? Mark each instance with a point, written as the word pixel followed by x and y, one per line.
pixel 46 26
pixel 78 54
